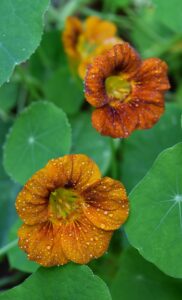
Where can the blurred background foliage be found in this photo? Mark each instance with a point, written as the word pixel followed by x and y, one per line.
pixel 154 28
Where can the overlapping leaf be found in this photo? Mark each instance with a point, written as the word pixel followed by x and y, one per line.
pixel 21 27
pixel 154 226
pixel 141 149
pixel 140 280
pixel 40 133
pixel 66 282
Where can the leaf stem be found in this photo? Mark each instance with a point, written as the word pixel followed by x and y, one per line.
pixel 59 15
pixel 7 247
pixel 29 82
pixel 120 21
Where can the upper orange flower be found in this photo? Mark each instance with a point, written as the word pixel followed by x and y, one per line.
pixel 85 40
pixel 127 92
pixel 69 211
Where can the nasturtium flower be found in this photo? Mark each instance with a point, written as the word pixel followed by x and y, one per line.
pixel 128 92
pixel 69 211
pixel 85 40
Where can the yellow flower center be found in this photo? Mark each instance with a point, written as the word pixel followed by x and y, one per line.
pixel 63 202
pixel 84 47
pixel 117 87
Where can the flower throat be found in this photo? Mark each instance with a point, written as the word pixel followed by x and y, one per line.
pixel 63 202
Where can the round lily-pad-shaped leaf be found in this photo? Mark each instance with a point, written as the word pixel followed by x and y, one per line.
pixel 60 283
pixel 88 141
pixel 139 151
pixel 154 226
pixel 140 280
pixel 40 133
pixel 20 32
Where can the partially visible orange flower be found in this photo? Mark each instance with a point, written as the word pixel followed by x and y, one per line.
pixel 85 40
pixel 69 211
pixel 128 93
pixel 73 29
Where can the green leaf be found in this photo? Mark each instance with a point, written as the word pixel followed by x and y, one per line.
pixel 121 3
pixel 17 258
pixel 65 90
pixel 170 13
pixel 20 32
pixel 140 280
pixel 8 191
pixel 60 283
pixel 149 36
pixel 4 127
pixel 113 6
pixel 141 149
pixel 108 264
pixel 8 96
pixel 88 141
pixel 178 94
pixel 40 133
pixel 46 58
pixel 154 226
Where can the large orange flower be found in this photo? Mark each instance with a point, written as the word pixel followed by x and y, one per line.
pixel 69 211
pixel 128 93
pixel 85 40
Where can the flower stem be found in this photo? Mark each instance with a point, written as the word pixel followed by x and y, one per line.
pixel 114 172
pixel 7 247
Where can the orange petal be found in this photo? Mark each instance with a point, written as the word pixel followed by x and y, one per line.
pixel 73 29
pixel 82 241
pixel 100 49
pixel 153 75
pixel 118 121
pixel 149 114
pixel 148 92
pixel 98 30
pixel 31 208
pixel 42 182
pixel 105 31
pixel 121 59
pixel 106 45
pixel 42 243
pixel 90 27
pixel 106 204
pixel 83 65
pixel 79 171
pixel 76 171
pixel 147 96
pixel 32 201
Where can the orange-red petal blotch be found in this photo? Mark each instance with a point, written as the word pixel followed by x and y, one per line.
pixel 69 211
pixel 128 93
pixel 85 40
